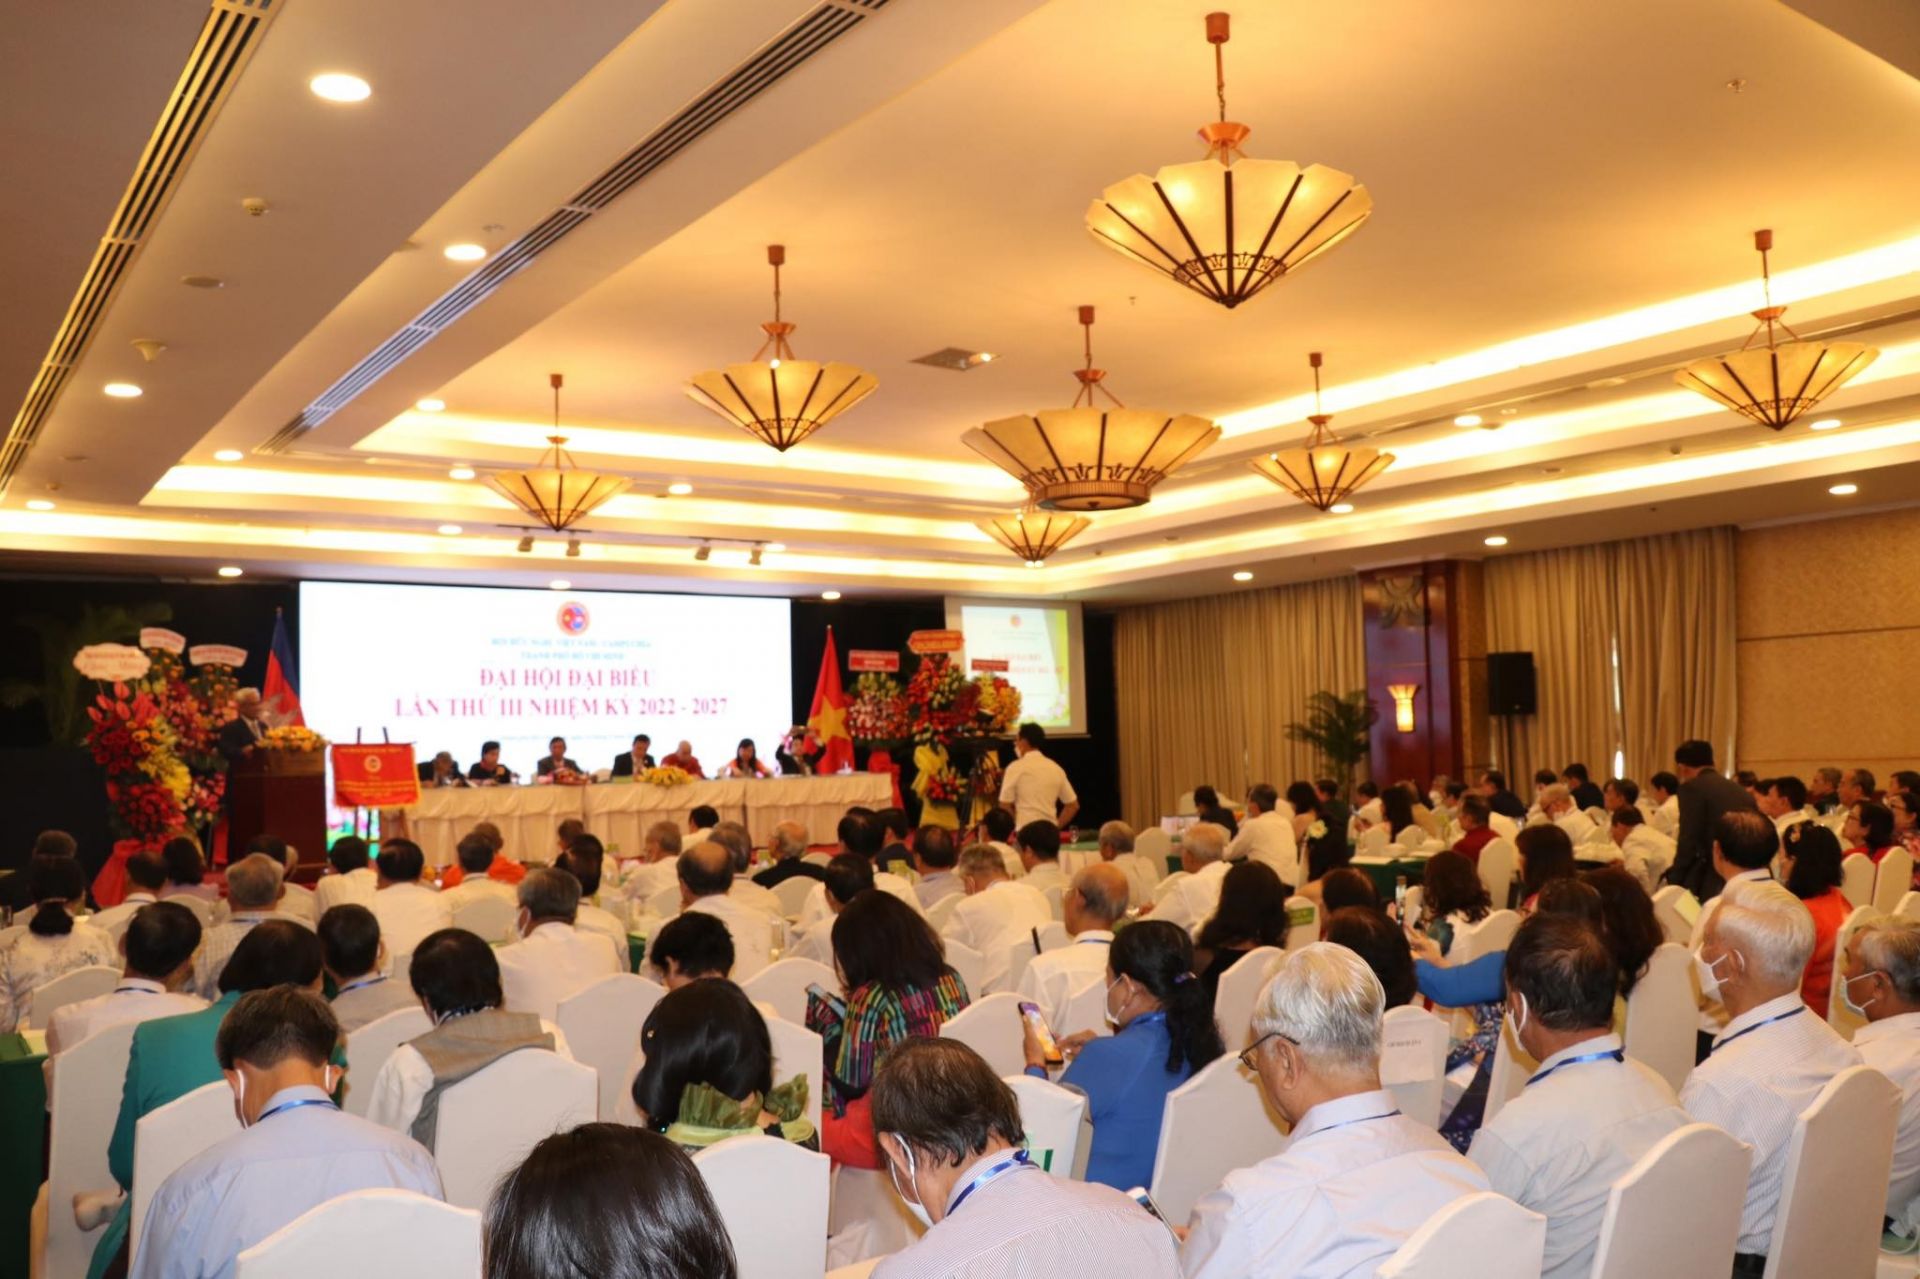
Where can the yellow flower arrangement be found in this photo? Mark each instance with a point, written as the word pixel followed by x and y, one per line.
pixel 293 737
pixel 666 777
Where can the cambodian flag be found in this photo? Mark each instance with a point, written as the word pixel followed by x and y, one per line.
pixel 280 698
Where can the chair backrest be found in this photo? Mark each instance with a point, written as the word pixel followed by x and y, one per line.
pixel 1056 895
pixel 491 917
pixel 1674 921
pixel 1303 922
pixel 369 1047
pixel 793 893
pixel 491 1119
pixel 81 1077
pixel 665 902
pixel 170 1135
pixel 602 1025
pixel 1054 936
pixel 1677 1211
pixel 797 1051
pixel 1184 807
pixel 1239 988
pixel 10 932
pixel 202 908
pixel 1086 1009
pixel 1415 901
pixel 1054 1118
pixel 1214 1123
pixel 1909 906
pixel 1373 840
pixel 70 988
pixel 1479 1236
pixel 784 985
pixel 1856 879
pixel 969 963
pixel 1834 1192
pixel 1839 1016
pixel 1892 879
pixel 1511 1069
pixel 370 1232
pixel 1499 862
pixel 1662 1017
pixel 991 1027
pixel 941 911
pixel 1019 955
pixel 817 859
pixel 1470 941
pixel 1413 1061
pixel 1153 846
pixel 772 1196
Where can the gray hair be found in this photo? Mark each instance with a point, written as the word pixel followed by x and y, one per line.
pixel 1118 836
pixel 550 894
pixel 247 695
pixel 789 841
pixel 733 837
pixel 253 882
pixel 1554 794
pixel 665 836
pixel 1093 882
pixel 1207 841
pixel 1766 924
pixel 982 861
pixel 1892 946
pixel 1327 1001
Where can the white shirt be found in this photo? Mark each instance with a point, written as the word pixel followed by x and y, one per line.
pixel 1054 978
pixel 1759 1078
pixel 644 879
pixel 1028 1225
pixel 1712 1016
pixel 473 888
pixel 1666 816
pixel 1269 838
pixel 1794 818
pixel 1576 1129
pixel 553 962
pixel 113 921
pixel 1016 869
pixel 408 913
pixel 1578 825
pixel 1892 1047
pixel 300 902
pixel 605 923
pixel 1045 875
pixel 815 909
pixel 1035 786
pixel 1192 899
pixel 748 893
pixel 356 887
pixel 1355 1181
pixel 993 919
pixel 241 1189
pixel 1646 854
pixel 1141 881
pixel 135 999
pixel 406 1078
pixel 750 928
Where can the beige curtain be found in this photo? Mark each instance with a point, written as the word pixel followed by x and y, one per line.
pixel 1554 604
pixel 1207 686
pixel 1674 602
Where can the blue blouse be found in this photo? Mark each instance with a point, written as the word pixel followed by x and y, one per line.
pixel 1126 1080
pixel 1478 981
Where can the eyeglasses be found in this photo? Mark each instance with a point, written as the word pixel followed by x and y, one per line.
pixel 1246 1054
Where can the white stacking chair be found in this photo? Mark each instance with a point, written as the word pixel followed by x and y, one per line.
pixel 1238 990
pixel 1056 1122
pixel 1373 841
pixel 1839 1016
pixel 1499 862
pixel 491 1119
pixel 400 969
pixel 1183 807
pixel 665 904
pixel 1165 888
pixel 1154 846
pixel 84 1080
pixel 1676 1213
pixel 10 932
pixel 1511 1069
pixel 1413 1062
pixel 1214 1123
pixel 969 963
pixel 1303 922
pixel 941 911
pixel 1662 1017
pixel 1856 879
pixel 69 987
pixel 793 893
pixel 602 1025
pixel 1056 895
pixel 1415 901
pixel 992 1028
pixel 1478 1236
pixel 822 860
pixel 489 918
pixel 370 1232
pixel 796 1051
pixel 167 1137
pixel 1495 932
pixel 1909 907
pixel 773 1197
pixel 369 1047
pixel 1892 879
pixel 1086 1010
pixel 783 986
pixel 1021 953
pixel 1676 909
pixel 1835 1189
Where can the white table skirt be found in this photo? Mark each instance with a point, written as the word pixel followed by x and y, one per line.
pixel 619 813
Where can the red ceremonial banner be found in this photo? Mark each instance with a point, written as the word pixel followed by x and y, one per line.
pixel 924 642
pixel 996 664
pixel 872 659
pixel 374 776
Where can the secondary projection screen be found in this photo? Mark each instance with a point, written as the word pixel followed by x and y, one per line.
pixel 447 667
pixel 1040 643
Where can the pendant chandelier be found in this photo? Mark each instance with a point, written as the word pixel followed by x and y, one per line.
pixel 1034 534
pixel 556 492
pixel 1227 226
pixel 1088 458
pixel 1775 383
pixel 1322 471
pixel 774 397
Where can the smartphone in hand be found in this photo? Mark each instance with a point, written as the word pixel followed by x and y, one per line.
pixel 1140 1196
pixel 1049 1047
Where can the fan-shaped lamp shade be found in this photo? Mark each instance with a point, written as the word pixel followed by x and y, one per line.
pixel 1323 471
pixel 557 493
pixel 1091 459
pixel 1773 385
pixel 780 401
pixel 1033 534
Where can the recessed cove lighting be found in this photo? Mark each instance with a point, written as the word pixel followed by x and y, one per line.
pixel 680 488
pixel 1341 508
pixel 559 584
pixel 776 547
pixel 460 473
pixel 430 405
pixel 449 530
pixel 465 252
pixel 229 570
pixel 1243 576
pixel 1844 490
pixel 829 596
pixel 228 455
pixel 122 390
pixel 1496 540
pixel 39 504
pixel 1825 424
pixel 338 86
pixel 1468 419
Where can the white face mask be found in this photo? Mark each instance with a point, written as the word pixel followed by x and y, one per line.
pixel 1519 1024
pixel 1846 994
pixel 1709 979
pixel 1113 1018
pixel 240 1098
pixel 914 1206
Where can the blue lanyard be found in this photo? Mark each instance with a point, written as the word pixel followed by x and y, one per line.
pixel 1617 1054
pixel 1095 941
pixel 295 1104
pixel 1791 1012
pixel 362 984
pixel 1363 1119
pixel 133 990
pixel 1012 1163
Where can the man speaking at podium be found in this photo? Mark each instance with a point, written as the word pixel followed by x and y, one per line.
pixel 241 734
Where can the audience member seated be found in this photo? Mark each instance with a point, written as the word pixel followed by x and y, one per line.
pixel 847 877
pixel 1190 900
pixel 1580 787
pixel 689 948
pixel 1663 806
pixel 1881 972
pixel 1774 1056
pixel 1784 799
pixel 996 911
pixel 1039 844
pixel 1546 854
pixel 1163 1032
pixel 1451 896
pixel 1588 1113
pixel 895 985
pixel 1267 835
pixel 55 943
pixel 997 826
pixel 159 945
pixel 15 890
pixel 187 870
pixel 500 868
pixel 407 908
pixel 1627 923
pixel 1356 1177
pixel 1856 786
pixel 254 887
pixel 895 830
pixel 1493 789
pixel 296 1149
pixel 1304 800
pixel 701 819
pixel 707 1072
pixel 350 876
pixel 586 861
pixel 1475 833
pixel 1208 808
pixel 734 837
pixel 356 960
pixel 1095 901
pixel 1368 933
pixel 610 1201
pixel 456 977
pixel 1810 866
pixel 474 854
pixel 1396 813
pixel 1367 809
pixel 953 1140
pixel 1251 912
pixel 861 835
pixel 1557 807
pixel 488 770
pixel 1645 853
pixel 706 876
pixel 934 856
pixel 1906 826
pixel 1116 850
pixel 554 959
pixel 788 849
pixel 1343 887
pixel 1619 793
pixel 1324 857
pixel 1869 829
pixel 146 877
pixel 296 900
pixel 658 866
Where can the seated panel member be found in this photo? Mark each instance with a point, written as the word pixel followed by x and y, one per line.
pixel 489 770
pixel 683 759
pixel 440 771
pixel 555 762
pixel 636 761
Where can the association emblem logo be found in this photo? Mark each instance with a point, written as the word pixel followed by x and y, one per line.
pixel 573 618
pixel 1013 621
pixel 372 764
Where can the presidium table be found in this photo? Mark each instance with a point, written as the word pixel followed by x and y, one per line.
pixel 620 812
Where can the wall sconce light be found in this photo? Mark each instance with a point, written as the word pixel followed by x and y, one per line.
pixel 1402 695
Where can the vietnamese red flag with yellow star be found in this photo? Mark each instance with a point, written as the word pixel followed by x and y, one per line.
pixel 828 718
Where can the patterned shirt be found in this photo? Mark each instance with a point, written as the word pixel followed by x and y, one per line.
pixel 876 1017
pixel 33 961
pixel 219 943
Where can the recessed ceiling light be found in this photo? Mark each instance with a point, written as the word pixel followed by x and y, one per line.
pixel 1468 419
pixel 228 455
pixel 338 86
pixel 122 390
pixel 450 530
pixel 1243 576
pixel 559 584
pixel 460 473
pixel 1341 508
pixel 983 357
pixel 680 488
pixel 1496 540
pixel 1825 424
pixel 465 252
pixel 829 596
pixel 1036 563
pixel 229 570
pixel 1844 490
pixel 39 504
pixel 776 547
pixel 430 405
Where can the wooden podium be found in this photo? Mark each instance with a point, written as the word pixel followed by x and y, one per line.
pixel 280 793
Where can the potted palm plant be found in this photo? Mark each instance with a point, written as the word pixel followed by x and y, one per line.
pixel 1337 727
